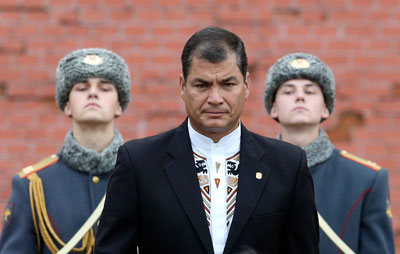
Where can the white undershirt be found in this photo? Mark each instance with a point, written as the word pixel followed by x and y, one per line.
pixel 217 153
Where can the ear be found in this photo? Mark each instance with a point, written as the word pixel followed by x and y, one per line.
pixel 325 112
pixel 182 85
pixel 67 110
pixel 118 111
pixel 247 84
pixel 274 111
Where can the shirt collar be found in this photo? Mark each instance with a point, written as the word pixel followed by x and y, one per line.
pixel 230 143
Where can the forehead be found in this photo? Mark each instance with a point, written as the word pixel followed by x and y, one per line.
pixel 205 69
pixel 94 80
pixel 300 83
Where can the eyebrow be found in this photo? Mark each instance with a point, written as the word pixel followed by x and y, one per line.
pixel 105 81
pixel 200 80
pixel 311 84
pixel 231 78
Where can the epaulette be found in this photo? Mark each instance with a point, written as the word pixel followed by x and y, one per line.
pixel 38 166
pixel 367 163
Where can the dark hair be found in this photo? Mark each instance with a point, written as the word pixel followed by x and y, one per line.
pixel 213 44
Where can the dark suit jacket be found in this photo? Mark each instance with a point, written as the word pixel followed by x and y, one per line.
pixel 154 201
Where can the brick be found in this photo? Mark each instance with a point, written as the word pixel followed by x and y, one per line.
pixel 297 30
pixel 202 16
pixel 362 3
pixel 236 16
pixel 360 31
pixel 174 15
pixel 136 30
pixel 314 16
pixel 94 16
pixel 344 45
pixel 147 15
pixel 18 149
pixel 163 31
pixel 170 3
pixel 123 15
pixel 89 2
pixel 312 45
pixel 26 60
pixel 390 31
pixel 12 47
pixel 197 3
pixel 77 30
pixel 119 3
pixel 226 2
pixel 350 119
pixel 350 16
pixel 5 32
pixel 40 16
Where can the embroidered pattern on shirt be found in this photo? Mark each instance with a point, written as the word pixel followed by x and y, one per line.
pixel 232 175
pixel 204 181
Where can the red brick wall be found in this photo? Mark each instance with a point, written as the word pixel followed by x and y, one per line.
pixel 359 39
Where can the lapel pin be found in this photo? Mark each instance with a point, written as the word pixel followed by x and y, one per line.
pixel 258 175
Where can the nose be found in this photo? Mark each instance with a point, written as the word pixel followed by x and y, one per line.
pixel 214 96
pixel 300 95
pixel 93 92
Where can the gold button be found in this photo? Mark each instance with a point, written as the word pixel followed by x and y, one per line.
pixel 95 179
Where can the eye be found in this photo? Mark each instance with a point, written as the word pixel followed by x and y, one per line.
pixel 229 84
pixel 310 91
pixel 80 87
pixel 200 85
pixel 287 92
pixel 106 87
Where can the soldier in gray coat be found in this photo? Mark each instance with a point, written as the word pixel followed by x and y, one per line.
pixel 352 194
pixel 51 200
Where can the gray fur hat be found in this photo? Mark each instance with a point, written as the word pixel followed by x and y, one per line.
pixel 92 63
pixel 300 66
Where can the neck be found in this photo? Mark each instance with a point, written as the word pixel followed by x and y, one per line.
pixel 93 137
pixel 299 135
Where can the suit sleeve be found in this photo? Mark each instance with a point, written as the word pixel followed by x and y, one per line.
pixel 302 234
pixel 376 233
pixel 118 228
pixel 18 234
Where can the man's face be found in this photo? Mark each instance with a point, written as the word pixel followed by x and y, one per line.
pixel 94 101
pixel 299 102
pixel 214 96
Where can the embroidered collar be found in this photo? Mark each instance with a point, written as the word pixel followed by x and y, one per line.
pixel 319 150
pixel 87 160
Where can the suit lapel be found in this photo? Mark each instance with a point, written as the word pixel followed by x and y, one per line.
pixel 182 175
pixel 251 169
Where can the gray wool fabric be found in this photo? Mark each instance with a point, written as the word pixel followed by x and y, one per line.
pixel 87 160
pixel 300 66
pixel 87 63
pixel 319 150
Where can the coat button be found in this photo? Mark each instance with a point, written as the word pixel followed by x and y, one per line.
pixel 95 179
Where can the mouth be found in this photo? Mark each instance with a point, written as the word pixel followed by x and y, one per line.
pixel 300 109
pixel 92 104
pixel 214 114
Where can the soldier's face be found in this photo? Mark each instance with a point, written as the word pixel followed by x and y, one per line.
pixel 94 101
pixel 299 102
pixel 214 96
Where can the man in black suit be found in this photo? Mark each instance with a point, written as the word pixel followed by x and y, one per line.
pixel 210 185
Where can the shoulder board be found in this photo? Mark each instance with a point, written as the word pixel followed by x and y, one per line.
pixel 361 161
pixel 38 166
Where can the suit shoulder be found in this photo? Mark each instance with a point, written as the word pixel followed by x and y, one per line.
pixel 151 141
pixel 369 164
pixel 46 162
pixel 275 142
